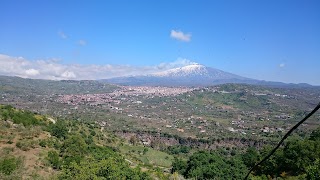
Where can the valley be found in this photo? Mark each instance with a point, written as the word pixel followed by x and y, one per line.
pixel 146 122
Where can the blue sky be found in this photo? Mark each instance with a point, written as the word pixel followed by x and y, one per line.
pixel 270 40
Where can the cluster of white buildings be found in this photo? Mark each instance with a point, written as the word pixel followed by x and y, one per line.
pixel 119 94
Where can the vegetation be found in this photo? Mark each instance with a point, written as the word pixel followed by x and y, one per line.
pixel 9 164
pixel 73 153
pixel 179 149
pixel 67 152
pixel 297 158
pixel 26 118
pixel 207 133
pixel 147 156
pixel 210 165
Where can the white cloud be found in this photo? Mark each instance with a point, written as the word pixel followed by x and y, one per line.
pixel 82 42
pixel 180 62
pixel 179 35
pixel 62 35
pixel 32 72
pixel 56 70
pixel 68 75
pixel 282 65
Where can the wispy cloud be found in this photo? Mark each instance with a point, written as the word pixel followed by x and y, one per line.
pixel 55 70
pixel 82 42
pixel 282 65
pixel 180 62
pixel 32 72
pixel 181 36
pixel 62 35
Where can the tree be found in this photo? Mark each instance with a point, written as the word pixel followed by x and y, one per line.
pixel 270 166
pixel 109 168
pixel 74 148
pixel 250 157
pixel 315 135
pixel 300 154
pixel 313 171
pixel 59 129
pixel 205 165
pixel 179 166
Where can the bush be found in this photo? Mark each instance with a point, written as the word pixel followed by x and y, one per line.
pixel 22 145
pixel 54 160
pixel 179 166
pixel 313 171
pixel 9 164
pixel 42 143
pixel 25 145
pixel 145 150
pixel 26 118
pixel 210 165
pixel 59 129
pixel 74 148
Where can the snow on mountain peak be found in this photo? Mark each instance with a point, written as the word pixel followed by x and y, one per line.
pixel 190 75
pixel 195 69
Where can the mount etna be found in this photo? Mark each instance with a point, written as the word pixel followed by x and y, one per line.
pixel 191 75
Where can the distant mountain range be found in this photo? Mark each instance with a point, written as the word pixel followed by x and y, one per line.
pixel 194 75
pixel 190 75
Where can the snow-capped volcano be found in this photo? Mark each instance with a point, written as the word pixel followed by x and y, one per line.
pixel 190 75
pixel 183 71
pixel 196 70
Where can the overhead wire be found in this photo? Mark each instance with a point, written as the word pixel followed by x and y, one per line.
pixel 284 137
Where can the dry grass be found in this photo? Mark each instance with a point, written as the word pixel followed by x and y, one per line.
pixel 34 166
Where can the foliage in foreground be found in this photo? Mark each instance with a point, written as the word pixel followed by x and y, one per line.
pixel 210 165
pixel 73 155
pixel 298 158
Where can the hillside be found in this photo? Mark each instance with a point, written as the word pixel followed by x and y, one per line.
pixel 215 112
pixel 33 146
pixel 45 87
pixel 152 130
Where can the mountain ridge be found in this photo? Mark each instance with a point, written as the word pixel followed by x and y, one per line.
pixel 193 75
pixel 190 75
pixel 196 69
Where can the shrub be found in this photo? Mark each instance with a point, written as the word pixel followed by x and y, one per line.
pixel 25 145
pixel 42 143
pixel 58 129
pixel 22 145
pixel 53 159
pixel 9 164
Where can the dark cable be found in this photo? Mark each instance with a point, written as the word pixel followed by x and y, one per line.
pixel 284 137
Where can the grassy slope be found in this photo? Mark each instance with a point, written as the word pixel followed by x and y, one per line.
pixel 24 143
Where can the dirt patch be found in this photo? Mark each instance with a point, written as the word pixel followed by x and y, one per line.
pixel 34 157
